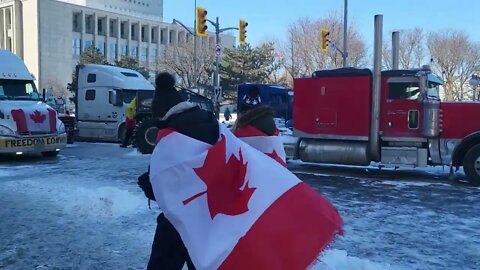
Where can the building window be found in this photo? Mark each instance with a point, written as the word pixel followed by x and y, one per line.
pixel 113 30
pixel 101 47
pixel 88 44
pixel 162 36
pixel 132 32
pixel 144 36
pixel 123 50
pixel 153 35
pixel 123 30
pixel 76 22
pixel 153 55
pixel 134 51
pixel 112 50
pixel 89 20
pixel 143 54
pixel 100 26
pixel 76 46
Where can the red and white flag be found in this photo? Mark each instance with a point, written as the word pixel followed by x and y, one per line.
pixel 35 119
pixel 236 208
pixel 271 146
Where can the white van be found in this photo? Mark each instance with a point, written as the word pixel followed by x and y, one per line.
pixel 27 125
pixel 103 93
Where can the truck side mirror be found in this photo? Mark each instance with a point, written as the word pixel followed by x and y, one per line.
pixel 114 99
pixel 44 96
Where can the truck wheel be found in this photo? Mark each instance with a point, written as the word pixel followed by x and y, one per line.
pixel 471 165
pixel 121 133
pixel 70 137
pixel 146 136
pixel 50 153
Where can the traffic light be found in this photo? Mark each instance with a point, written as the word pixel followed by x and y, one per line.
pixel 324 39
pixel 201 22
pixel 242 29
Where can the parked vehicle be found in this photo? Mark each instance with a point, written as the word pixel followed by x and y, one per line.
pixel 146 131
pixel 275 96
pixel 103 93
pixel 395 117
pixel 59 105
pixel 27 125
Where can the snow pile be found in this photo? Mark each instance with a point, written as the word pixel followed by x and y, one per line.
pixel 99 202
pixel 134 153
pixel 104 201
pixel 339 260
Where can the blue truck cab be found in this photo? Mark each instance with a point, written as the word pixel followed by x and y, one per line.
pixel 275 96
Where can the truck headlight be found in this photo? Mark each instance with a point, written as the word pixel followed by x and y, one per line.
pixel 5 131
pixel 61 128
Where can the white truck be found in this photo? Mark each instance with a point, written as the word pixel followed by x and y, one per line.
pixel 103 93
pixel 27 125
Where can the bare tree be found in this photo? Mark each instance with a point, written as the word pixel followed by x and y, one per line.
pixel 456 58
pixel 180 61
pixel 302 49
pixel 412 51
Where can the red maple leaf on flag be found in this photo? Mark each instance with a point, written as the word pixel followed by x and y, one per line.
pixel 277 158
pixel 227 191
pixel 38 117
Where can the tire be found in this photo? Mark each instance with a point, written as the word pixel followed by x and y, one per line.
pixel 121 133
pixel 471 165
pixel 50 153
pixel 70 137
pixel 145 136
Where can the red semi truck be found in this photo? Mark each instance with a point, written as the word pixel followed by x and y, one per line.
pixel 395 117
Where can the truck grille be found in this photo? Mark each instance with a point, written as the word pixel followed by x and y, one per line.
pixel 36 133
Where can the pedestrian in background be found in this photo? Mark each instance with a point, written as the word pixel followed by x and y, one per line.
pixel 129 122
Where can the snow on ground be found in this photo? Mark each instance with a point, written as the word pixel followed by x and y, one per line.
pixel 84 210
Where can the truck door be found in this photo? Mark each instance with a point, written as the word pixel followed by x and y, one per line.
pixel 401 108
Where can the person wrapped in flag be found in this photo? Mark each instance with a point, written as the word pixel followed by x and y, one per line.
pixel 233 206
pixel 168 250
pixel 256 127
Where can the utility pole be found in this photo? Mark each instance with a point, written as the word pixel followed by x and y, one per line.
pixel 345 33
pixel 218 48
pixel 195 46
pixel 194 34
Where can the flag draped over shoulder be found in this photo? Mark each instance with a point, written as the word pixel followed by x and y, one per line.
pixel 236 208
pixel 271 146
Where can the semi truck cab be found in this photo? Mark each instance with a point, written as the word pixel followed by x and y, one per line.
pixel 27 125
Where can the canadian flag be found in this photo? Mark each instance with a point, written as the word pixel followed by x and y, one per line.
pixel 271 146
pixel 34 120
pixel 236 208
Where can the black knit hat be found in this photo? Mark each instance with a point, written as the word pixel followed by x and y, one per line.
pixel 250 100
pixel 166 96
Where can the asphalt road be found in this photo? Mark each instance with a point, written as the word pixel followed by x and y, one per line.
pixel 83 210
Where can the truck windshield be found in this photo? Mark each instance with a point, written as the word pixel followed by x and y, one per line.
pixel 128 95
pixel 18 90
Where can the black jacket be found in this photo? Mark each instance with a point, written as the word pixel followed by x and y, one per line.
pixel 193 122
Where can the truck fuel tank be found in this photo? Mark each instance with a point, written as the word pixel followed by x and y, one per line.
pixel 334 151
